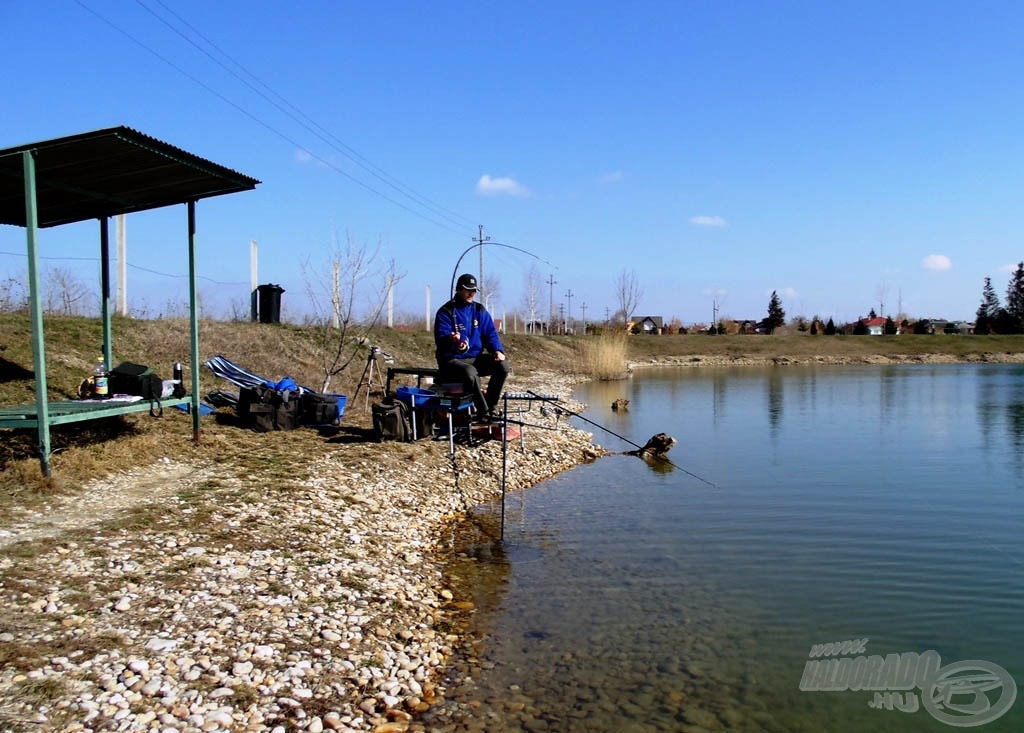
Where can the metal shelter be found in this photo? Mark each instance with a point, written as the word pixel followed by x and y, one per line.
pixel 97 175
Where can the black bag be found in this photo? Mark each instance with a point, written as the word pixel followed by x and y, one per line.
pixel 136 379
pixel 391 420
pixel 319 409
pixel 264 409
pixel 425 418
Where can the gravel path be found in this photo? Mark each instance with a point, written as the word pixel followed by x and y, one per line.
pixel 185 598
pixel 103 500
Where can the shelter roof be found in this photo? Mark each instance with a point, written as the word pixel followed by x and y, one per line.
pixel 108 172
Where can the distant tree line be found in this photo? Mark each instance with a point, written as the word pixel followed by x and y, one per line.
pixel 992 317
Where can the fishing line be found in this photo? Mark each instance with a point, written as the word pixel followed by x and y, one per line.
pixel 622 437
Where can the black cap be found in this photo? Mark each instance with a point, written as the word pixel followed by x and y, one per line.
pixel 466 281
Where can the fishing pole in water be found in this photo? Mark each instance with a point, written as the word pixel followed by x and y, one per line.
pixel 624 438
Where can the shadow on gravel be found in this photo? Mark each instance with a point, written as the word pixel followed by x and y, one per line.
pixel 347 435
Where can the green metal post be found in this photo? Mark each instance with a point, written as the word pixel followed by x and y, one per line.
pixel 105 309
pixel 193 314
pixel 36 310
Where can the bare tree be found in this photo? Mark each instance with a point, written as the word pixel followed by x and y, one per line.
pixel 240 310
pixel 493 293
pixel 342 332
pixel 13 295
pixel 628 293
pixel 65 294
pixel 531 296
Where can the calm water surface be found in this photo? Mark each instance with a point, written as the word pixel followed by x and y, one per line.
pixel 878 503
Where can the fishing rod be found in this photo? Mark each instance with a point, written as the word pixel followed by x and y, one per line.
pixel 496 244
pixel 622 437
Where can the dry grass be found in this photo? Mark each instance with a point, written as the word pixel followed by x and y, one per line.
pixel 88 450
pixel 603 357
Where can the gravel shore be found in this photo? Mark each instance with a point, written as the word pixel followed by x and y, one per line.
pixel 218 602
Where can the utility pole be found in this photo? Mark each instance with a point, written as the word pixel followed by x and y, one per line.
pixel 480 275
pixel 122 264
pixel 254 278
pixel 561 315
pixel 568 294
pixel 714 314
pixel 583 308
pixel 551 301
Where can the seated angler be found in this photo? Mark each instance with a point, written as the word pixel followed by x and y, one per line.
pixel 468 347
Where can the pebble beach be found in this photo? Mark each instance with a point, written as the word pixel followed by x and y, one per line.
pixel 229 606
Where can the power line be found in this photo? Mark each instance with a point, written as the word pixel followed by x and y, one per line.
pixel 133 267
pixel 198 277
pixel 341 147
pixel 264 124
pixel 43 257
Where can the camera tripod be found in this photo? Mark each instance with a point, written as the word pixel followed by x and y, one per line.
pixel 372 368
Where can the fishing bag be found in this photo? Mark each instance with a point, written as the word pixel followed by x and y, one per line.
pixel 137 379
pixel 319 409
pixel 391 420
pixel 264 409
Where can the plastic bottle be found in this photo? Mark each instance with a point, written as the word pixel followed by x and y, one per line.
pixel 178 373
pixel 99 379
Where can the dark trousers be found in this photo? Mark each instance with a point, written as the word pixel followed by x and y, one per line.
pixel 468 373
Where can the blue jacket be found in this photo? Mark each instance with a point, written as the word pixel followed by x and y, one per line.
pixel 473 324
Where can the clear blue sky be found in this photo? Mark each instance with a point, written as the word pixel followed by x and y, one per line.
pixel 840 153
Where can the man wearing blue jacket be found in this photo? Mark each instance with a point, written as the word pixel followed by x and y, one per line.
pixel 463 329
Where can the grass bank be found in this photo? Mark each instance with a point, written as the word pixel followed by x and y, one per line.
pixel 92 449
pixel 837 349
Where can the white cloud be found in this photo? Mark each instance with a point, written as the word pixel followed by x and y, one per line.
pixel 488 186
pixel 716 292
pixel 937 262
pixel 787 293
pixel 1012 267
pixel 708 221
pixel 612 177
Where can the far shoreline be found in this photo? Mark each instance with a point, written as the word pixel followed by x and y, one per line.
pixel 721 360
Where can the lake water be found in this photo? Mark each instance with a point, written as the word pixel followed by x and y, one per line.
pixel 875 503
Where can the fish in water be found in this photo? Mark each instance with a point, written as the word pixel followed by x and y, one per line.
pixel 656 446
pixel 620 404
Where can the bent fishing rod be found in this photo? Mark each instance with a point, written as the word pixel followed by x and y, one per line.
pixel 471 247
pixel 621 437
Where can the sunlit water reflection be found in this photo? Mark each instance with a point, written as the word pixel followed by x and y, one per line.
pixel 878 503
